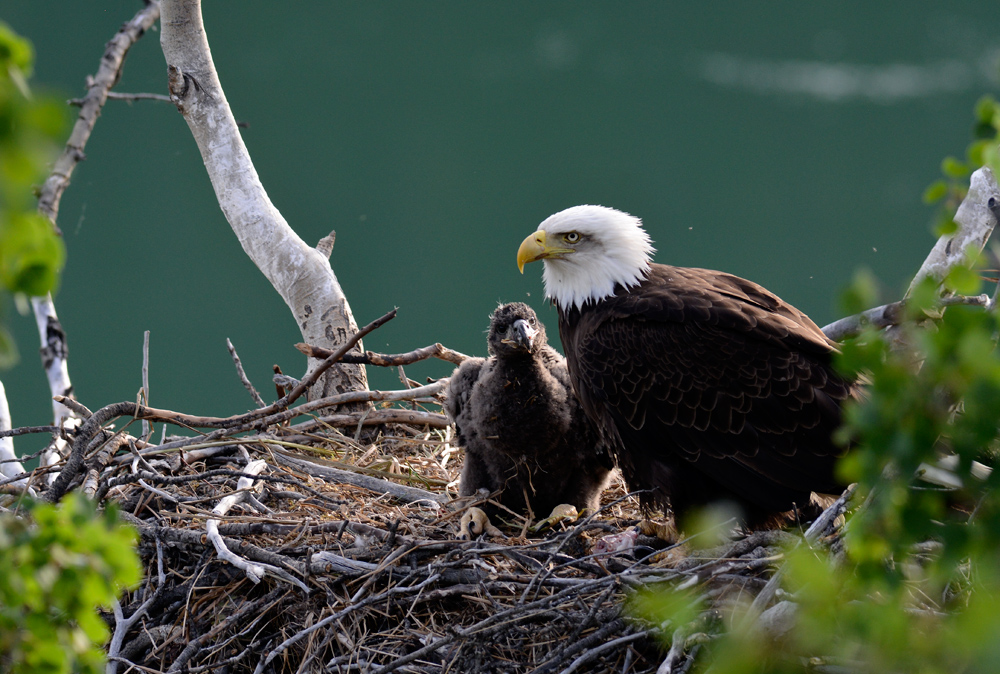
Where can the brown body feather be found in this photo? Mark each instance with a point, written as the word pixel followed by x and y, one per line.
pixel 708 387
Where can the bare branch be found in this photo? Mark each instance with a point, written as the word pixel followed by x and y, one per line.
pixel 390 360
pixel 78 102
pixel 108 73
pixel 402 492
pixel 301 274
pixel 243 375
pixel 9 465
pixel 976 218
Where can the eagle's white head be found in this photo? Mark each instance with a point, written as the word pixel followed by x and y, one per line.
pixel 587 250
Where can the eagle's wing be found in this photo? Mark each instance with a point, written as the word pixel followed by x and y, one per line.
pixel 716 370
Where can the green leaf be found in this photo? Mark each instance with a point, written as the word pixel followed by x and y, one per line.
pixel 8 351
pixel 991 157
pixel 985 109
pixel 31 255
pixel 963 281
pixel 954 168
pixel 945 227
pixel 935 191
pixel 862 294
pixel 15 52
pixel 977 149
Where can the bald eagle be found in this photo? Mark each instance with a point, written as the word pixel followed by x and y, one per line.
pixel 705 386
pixel 522 429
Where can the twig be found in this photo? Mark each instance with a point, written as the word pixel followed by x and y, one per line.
pixel 402 492
pixel 892 314
pixel 26 430
pixel 145 380
pixel 52 336
pixel 373 418
pixel 123 625
pixel 976 218
pixel 100 462
pixel 676 652
pixel 389 360
pixel 810 536
pixel 385 596
pixel 606 646
pixel 114 95
pixel 253 571
pixel 76 406
pixel 236 424
pixel 334 358
pixel 273 413
pixel 255 608
pixel 243 375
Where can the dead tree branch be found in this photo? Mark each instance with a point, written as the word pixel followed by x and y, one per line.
pixel 301 274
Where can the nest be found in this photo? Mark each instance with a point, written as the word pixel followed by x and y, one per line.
pixel 331 546
pixel 356 581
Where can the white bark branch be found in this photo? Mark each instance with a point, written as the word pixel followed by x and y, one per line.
pixel 975 220
pixel 53 339
pixel 253 571
pixel 54 354
pixel 10 466
pixel 301 274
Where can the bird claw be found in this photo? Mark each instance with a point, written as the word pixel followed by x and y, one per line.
pixel 563 511
pixel 474 523
pixel 665 531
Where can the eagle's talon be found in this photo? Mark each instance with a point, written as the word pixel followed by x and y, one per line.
pixel 474 523
pixel 563 511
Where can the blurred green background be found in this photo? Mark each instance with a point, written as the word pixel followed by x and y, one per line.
pixel 788 144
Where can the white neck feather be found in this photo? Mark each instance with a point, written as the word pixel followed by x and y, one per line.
pixel 615 250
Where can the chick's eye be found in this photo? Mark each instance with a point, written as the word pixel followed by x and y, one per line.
pixel 572 237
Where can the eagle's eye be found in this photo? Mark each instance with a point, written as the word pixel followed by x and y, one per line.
pixel 572 237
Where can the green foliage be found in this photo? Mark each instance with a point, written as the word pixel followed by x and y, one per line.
pixel 31 255
pixel 31 251
pixel 54 572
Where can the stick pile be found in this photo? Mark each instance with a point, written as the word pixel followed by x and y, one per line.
pixel 279 547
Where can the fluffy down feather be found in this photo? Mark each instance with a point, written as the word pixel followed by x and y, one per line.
pixel 523 431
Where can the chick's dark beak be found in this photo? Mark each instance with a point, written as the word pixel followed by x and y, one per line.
pixel 522 334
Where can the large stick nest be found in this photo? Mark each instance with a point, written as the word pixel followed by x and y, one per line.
pixel 387 585
pixel 331 546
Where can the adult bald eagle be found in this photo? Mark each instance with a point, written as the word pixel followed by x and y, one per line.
pixel 522 429
pixel 706 386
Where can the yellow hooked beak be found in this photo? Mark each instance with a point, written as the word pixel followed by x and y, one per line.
pixel 535 248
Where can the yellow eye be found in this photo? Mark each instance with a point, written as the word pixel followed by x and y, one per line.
pixel 572 237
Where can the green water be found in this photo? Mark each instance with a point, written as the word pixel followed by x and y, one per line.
pixel 786 145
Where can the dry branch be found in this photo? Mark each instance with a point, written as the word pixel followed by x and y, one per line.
pixel 389 360
pixel 53 339
pixel 299 273
pixel 976 218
